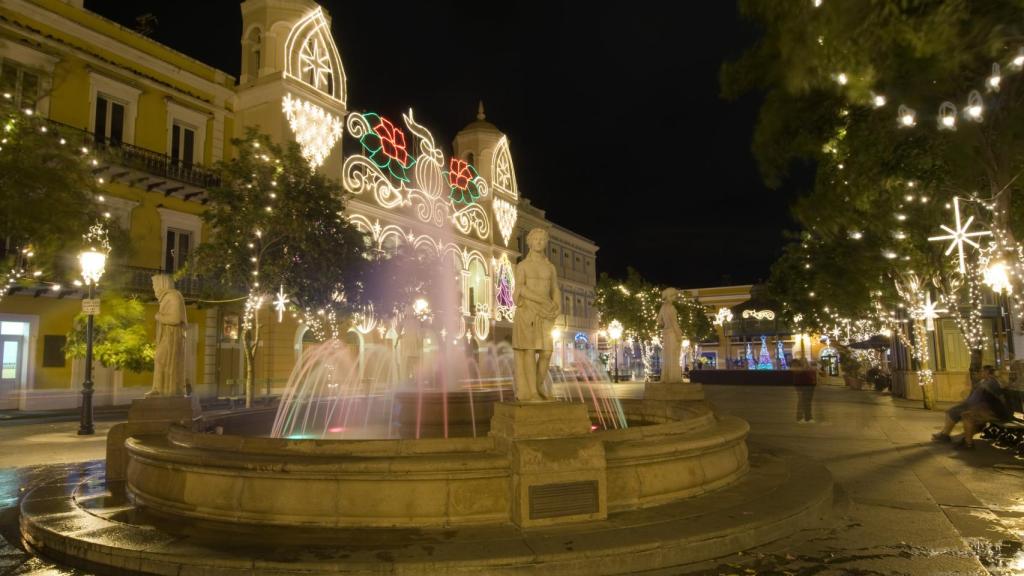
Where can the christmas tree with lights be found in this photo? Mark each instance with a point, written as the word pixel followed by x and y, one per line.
pixel 764 361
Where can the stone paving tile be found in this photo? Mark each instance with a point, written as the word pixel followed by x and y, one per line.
pixel 905 506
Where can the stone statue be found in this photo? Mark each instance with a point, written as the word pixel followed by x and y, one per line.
pixel 538 304
pixel 671 337
pixel 171 333
pixel 410 346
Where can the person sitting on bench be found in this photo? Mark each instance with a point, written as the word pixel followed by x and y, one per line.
pixel 984 404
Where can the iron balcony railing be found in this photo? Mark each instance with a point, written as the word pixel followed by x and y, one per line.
pixel 140 280
pixel 138 158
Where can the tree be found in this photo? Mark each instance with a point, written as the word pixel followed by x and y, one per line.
pixel 833 77
pixel 277 224
pixel 635 302
pixel 120 340
pixel 47 198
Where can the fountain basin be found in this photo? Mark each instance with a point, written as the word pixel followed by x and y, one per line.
pixel 682 450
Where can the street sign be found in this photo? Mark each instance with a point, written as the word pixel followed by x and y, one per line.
pixel 91 306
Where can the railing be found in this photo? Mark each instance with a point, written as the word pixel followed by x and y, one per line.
pixel 143 159
pixel 139 279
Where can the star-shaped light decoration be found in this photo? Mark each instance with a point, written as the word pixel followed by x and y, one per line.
pixel 928 312
pixel 959 235
pixel 279 303
pixel 315 63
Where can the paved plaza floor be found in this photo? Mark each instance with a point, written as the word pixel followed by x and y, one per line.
pixel 903 505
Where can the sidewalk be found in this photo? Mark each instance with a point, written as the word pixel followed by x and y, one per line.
pixel 905 504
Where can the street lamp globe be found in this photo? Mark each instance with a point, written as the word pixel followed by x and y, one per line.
pixel 615 329
pixel 93 263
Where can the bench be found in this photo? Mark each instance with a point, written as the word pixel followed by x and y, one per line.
pixel 1006 435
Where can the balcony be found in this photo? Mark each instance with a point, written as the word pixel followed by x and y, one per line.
pixel 142 168
pixel 139 280
pixel 135 280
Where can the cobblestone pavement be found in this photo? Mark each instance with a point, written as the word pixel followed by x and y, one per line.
pixel 903 504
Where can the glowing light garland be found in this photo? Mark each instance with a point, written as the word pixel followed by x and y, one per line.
pixel 316 130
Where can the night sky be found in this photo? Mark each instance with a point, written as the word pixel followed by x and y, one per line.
pixel 613 112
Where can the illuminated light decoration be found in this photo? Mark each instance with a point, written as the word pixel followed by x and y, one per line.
pixel 379 234
pixel 280 301
pixel 421 308
pixel 506 214
pixel 751 365
pixel 816 3
pixel 959 235
pixel 482 322
pixel 759 314
pixel 385 145
pixel 906 116
pixel 993 81
pixel 505 307
pixel 890 255
pixel 1018 61
pixel 426 191
pixel 928 311
pixel 856 234
pixel 316 130
pixel 947 116
pixel 581 339
pixel 842 79
pixel 878 100
pixel 504 177
pixel 975 106
pixel 364 321
pixel 722 316
pixel 312 57
pixel 780 355
pixel 462 178
pixel 996 277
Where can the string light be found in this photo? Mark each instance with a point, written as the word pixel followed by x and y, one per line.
pixel 975 106
pixel 995 79
pixel 906 116
pixel 947 116
pixel 878 100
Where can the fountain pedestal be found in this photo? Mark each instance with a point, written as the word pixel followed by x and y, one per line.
pixel 147 416
pixel 559 471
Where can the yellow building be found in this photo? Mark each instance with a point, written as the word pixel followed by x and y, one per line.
pixel 155 121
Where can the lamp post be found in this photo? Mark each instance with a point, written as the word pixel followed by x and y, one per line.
pixel 92 262
pixel 615 332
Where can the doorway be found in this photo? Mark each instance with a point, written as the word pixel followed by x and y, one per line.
pixel 13 361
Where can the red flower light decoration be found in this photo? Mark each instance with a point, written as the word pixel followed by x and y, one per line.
pixel 392 140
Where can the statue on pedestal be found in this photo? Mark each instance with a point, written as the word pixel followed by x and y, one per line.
pixel 171 333
pixel 538 304
pixel 671 337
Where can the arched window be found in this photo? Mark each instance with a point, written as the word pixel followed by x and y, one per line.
pixel 254 44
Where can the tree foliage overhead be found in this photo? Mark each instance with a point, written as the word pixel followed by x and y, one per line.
pixel 881 190
pixel 47 195
pixel 634 301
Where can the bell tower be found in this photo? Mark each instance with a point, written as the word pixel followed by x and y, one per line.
pixel 292 85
